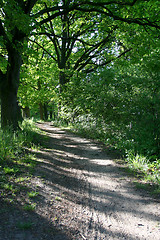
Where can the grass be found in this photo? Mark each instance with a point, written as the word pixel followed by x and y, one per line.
pixel 17 162
pixel 29 207
pixel 21 179
pixel 8 187
pixel 32 194
pixel 24 225
pixel 10 171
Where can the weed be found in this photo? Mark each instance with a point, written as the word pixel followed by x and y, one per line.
pixel 144 186
pixel 156 191
pixel 58 198
pixel 21 179
pixel 10 171
pixel 8 186
pixel 32 194
pixel 29 207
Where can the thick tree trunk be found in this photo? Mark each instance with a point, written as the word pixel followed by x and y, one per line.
pixel 62 80
pixel 10 111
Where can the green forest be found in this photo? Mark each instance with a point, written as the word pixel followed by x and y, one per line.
pixel 91 66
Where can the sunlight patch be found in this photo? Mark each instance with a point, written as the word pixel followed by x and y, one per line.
pixel 102 162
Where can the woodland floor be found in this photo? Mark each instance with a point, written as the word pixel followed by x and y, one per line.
pixel 82 194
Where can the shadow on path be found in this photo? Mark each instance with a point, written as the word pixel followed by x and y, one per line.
pixel 96 199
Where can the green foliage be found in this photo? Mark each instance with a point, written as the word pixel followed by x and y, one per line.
pixel 16 163
pixel 10 145
pixel 29 207
pixel 32 194
pixel 30 133
pixel 120 106
pixel 10 171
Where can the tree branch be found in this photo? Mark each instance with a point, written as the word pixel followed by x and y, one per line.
pixel 29 4
pixel 107 62
pixel 43 49
pixel 87 53
pixel 139 21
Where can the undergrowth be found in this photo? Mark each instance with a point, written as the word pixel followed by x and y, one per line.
pixel 17 161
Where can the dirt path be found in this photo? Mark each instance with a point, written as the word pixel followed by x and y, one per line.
pixel 84 195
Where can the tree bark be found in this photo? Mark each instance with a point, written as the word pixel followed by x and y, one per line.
pixel 45 112
pixel 10 111
pixel 26 112
pixel 41 111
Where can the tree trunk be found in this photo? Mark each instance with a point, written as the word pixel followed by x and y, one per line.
pixel 41 111
pixel 10 111
pixel 51 114
pixel 26 112
pixel 62 80
pixel 45 112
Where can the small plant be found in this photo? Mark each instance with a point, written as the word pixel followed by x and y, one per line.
pixel 21 179
pixel 144 186
pixel 29 207
pixel 156 191
pixel 32 194
pixel 10 171
pixel 8 187
pixel 58 198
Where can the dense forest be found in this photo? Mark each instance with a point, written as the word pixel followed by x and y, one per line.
pixel 92 65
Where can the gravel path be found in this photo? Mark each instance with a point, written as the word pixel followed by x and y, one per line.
pixel 83 195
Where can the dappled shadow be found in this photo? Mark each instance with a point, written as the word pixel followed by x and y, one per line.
pixel 82 174
pixel 17 224
pixel 59 171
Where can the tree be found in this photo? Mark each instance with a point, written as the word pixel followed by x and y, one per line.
pixel 87 35
pixel 21 19
pixel 14 28
pixel 37 81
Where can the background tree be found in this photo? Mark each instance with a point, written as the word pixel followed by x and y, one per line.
pixel 120 104
pixel 38 82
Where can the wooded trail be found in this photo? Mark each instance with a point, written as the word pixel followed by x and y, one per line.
pixel 82 195
pixel 97 199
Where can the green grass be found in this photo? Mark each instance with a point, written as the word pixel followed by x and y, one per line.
pixel 17 162
pixel 10 171
pixel 29 207
pixel 8 187
pixel 21 179
pixel 32 194
pixel 24 225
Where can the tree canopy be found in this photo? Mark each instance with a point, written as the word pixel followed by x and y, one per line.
pixel 80 56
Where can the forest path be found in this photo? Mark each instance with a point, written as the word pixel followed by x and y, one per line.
pixel 94 199
pixel 82 195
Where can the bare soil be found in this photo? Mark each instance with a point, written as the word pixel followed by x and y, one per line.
pixel 83 195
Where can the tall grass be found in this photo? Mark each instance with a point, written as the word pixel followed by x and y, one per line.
pixel 13 144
